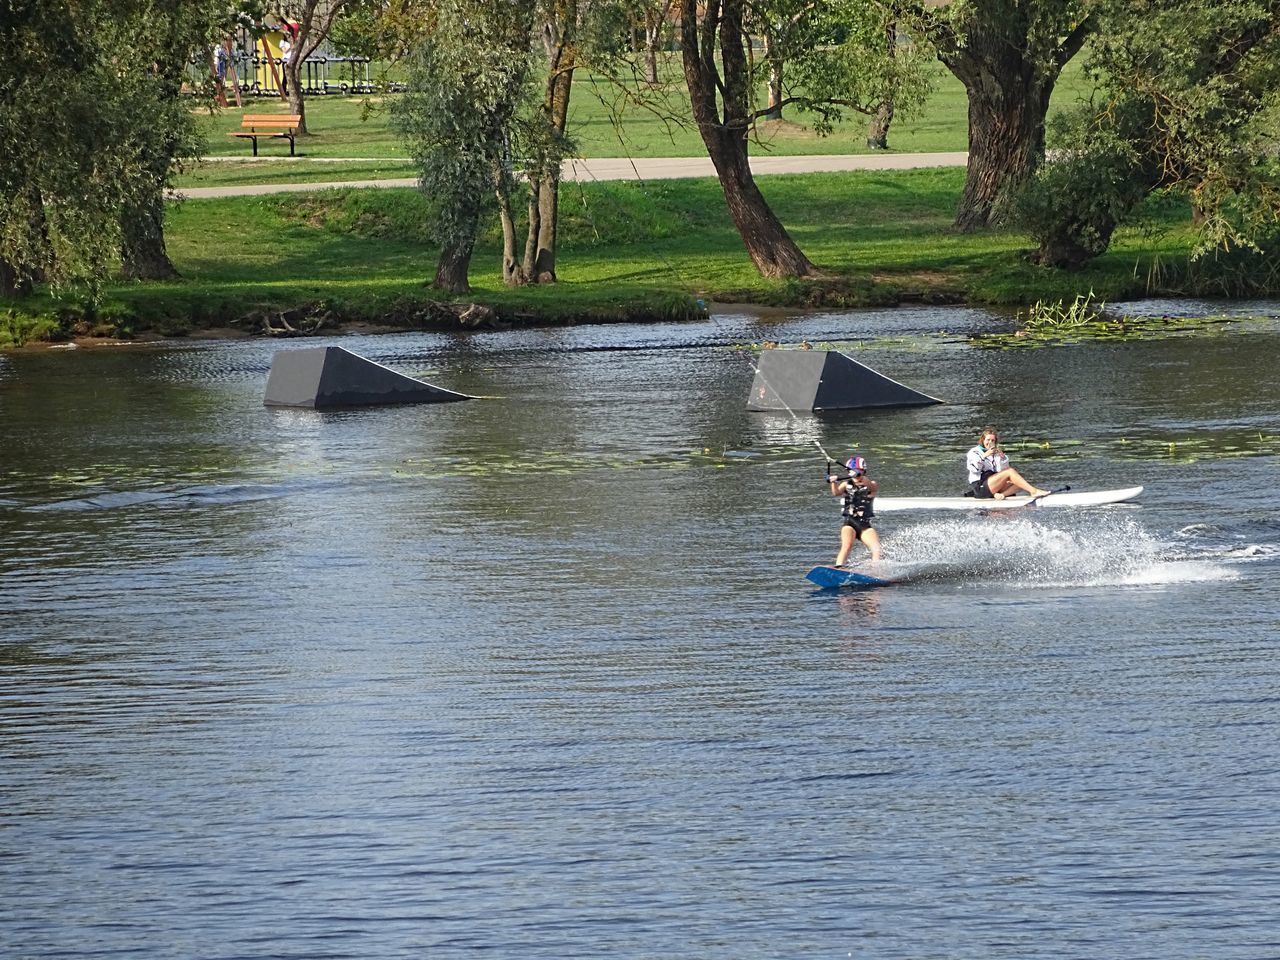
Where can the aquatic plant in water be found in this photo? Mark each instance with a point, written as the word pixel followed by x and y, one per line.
pixel 1056 314
pixel 1074 328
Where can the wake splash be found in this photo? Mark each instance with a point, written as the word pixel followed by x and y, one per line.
pixel 1100 550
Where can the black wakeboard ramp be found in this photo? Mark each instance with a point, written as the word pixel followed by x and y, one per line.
pixel 323 377
pixel 825 380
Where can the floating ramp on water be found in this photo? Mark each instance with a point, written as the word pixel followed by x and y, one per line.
pixel 825 380
pixel 323 377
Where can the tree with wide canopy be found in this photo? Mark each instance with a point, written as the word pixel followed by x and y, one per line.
pixel 90 127
pixel 1187 103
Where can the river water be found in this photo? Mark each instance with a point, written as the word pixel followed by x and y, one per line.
pixel 539 675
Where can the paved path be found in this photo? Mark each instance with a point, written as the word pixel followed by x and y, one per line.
pixel 654 168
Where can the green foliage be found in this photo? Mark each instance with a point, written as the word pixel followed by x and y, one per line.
pixel 1058 314
pixel 361 30
pixel 1188 101
pixel 1245 271
pixel 1072 205
pixel 879 236
pixel 842 60
pixel 607 32
pixel 17 328
pixel 90 121
pixel 55 145
pixel 467 79
pixel 832 57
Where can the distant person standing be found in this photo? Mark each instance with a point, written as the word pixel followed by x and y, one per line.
pixel 286 53
pixel 990 476
pixel 220 60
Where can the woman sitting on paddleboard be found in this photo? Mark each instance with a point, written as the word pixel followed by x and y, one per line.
pixel 858 491
pixel 990 476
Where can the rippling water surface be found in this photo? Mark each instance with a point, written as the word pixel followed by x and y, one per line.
pixel 539 675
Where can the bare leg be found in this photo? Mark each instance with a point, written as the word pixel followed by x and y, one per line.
pixel 872 540
pixel 847 538
pixel 1007 481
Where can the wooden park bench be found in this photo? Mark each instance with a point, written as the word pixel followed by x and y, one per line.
pixel 255 125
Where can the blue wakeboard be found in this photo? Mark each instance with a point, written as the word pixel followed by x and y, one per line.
pixel 829 578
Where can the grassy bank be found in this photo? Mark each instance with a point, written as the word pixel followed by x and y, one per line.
pixel 628 252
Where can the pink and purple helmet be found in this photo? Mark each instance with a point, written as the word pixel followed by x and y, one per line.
pixel 856 465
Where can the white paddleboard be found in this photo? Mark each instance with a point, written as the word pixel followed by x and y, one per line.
pixel 1094 498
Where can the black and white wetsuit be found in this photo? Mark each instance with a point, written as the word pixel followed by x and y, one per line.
pixel 982 465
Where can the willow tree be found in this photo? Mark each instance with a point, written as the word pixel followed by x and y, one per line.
pixel 1188 103
pixel 467 80
pixel 1009 55
pixel 80 119
pixel 151 49
pixel 40 46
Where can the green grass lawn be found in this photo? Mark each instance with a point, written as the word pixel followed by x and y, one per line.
pixel 358 127
pixel 231 173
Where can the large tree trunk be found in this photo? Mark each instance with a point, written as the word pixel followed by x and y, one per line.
pixel 1008 60
pixel 142 246
pixel 1006 140
pixel 454 267
pixel 142 249
pixel 771 248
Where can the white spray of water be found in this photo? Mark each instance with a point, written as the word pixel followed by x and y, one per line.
pixel 1089 550
pixel 1203 540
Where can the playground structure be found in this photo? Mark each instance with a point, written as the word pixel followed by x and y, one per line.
pixel 250 66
